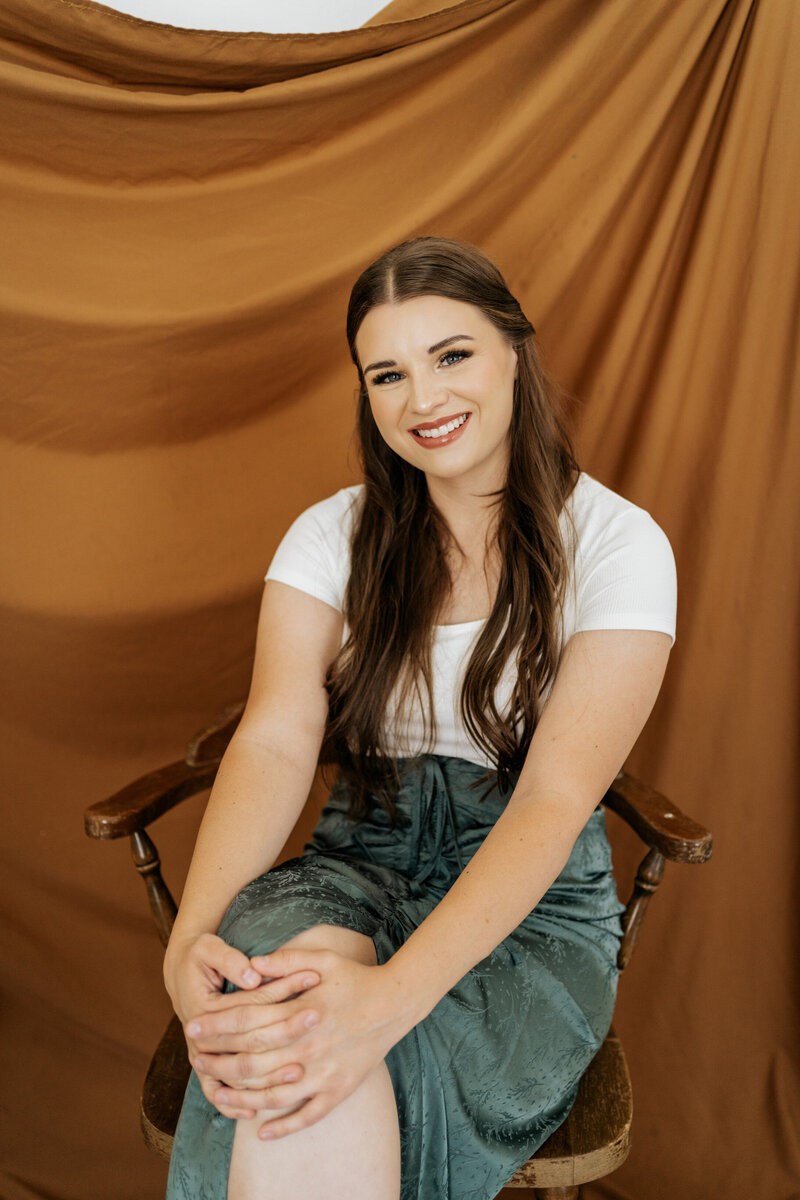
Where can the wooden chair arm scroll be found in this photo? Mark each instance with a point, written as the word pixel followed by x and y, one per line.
pixel 136 806
pixel 658 821
pixel 143 801
pixel 128 812
pixel 668 832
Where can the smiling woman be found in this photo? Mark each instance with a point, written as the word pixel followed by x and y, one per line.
pixel 457 391
pixel 476 636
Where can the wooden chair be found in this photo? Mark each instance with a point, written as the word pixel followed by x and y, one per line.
pixel 595 1138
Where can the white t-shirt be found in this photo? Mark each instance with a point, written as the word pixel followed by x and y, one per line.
pixel 623 578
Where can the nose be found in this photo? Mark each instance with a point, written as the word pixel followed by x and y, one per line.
pixel 428 393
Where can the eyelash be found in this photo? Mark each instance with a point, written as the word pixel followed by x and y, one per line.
pixel 459 356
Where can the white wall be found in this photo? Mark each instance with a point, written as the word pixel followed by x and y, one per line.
pixel 265 16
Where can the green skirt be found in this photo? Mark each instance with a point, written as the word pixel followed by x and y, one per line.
pixel 488 1075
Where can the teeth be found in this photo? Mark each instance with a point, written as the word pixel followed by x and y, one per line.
pixel 441 430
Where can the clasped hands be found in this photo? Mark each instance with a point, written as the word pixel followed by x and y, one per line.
pixel 303 1032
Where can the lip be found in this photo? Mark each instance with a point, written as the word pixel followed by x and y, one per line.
pixel 446 438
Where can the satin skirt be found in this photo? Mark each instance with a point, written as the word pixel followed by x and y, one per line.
pixel 493 1070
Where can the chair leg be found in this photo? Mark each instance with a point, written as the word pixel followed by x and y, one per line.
pixel 566 1193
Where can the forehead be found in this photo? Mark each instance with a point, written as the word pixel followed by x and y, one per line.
pixel 417 324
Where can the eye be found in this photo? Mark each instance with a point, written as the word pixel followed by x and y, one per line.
pixel 386 377
pixel 451 357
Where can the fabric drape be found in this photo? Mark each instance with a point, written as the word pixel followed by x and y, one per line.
pixel 183 213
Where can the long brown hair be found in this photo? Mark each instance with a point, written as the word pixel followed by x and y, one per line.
pixel 399 577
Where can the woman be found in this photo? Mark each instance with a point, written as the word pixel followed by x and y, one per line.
pixel 476 635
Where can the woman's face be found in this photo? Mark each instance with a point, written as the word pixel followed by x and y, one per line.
pixel 440 380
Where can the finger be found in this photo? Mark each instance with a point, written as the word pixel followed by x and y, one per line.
pixel 251 1015
pixel 259 1040
pixel 234 1107
pixel 316 1108
pixel 222 1093
pixel 276 1096
pixel 289 959
pixel 273 992
pixel 235 1114
pixel 223 1001
pixel 285 986
pixel 230 962
pixel 242 1070
pixel 267 993
pixel 250 1068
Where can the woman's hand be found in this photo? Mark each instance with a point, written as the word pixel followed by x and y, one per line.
pixel 359 1015
pixel 195 972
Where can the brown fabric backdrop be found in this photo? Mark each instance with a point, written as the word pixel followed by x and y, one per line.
pixel 182 213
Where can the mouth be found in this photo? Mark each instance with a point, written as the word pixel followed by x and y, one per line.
pixel 444 432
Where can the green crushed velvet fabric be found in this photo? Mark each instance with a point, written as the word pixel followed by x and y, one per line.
pixel 484 1080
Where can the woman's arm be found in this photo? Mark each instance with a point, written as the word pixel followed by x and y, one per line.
pixel 606 686
pixel 267 771
pixel 261 787
pixel 605 689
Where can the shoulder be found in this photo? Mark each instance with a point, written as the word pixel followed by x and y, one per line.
pixel 333 514
pixel 600 520
pixel 624 569
pixel 595 510
pixel 314 554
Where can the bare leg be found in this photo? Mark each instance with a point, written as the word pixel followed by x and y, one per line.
pixel 351 1154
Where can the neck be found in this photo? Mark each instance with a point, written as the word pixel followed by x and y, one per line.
pixel 470 510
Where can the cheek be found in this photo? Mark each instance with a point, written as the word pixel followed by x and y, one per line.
pixel 378 413
pixel 385 411
pixel 494 381
pixel 385 421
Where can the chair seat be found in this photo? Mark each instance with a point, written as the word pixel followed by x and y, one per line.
pixel 592 1142
pixel 596 1137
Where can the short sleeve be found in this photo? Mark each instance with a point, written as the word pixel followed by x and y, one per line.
pixel 314 554
pixel 625 575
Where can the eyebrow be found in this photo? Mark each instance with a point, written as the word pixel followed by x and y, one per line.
pixel 390 362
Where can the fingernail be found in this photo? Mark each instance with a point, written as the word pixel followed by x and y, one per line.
pixel 291 1077
pixel 250 976
pixel 193 1029
pixel 309 980
pixel 310 1019
pixel 266 1135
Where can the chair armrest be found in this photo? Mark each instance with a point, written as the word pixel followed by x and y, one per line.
pixel 210 744
pixel 658 821
pixel 134 807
